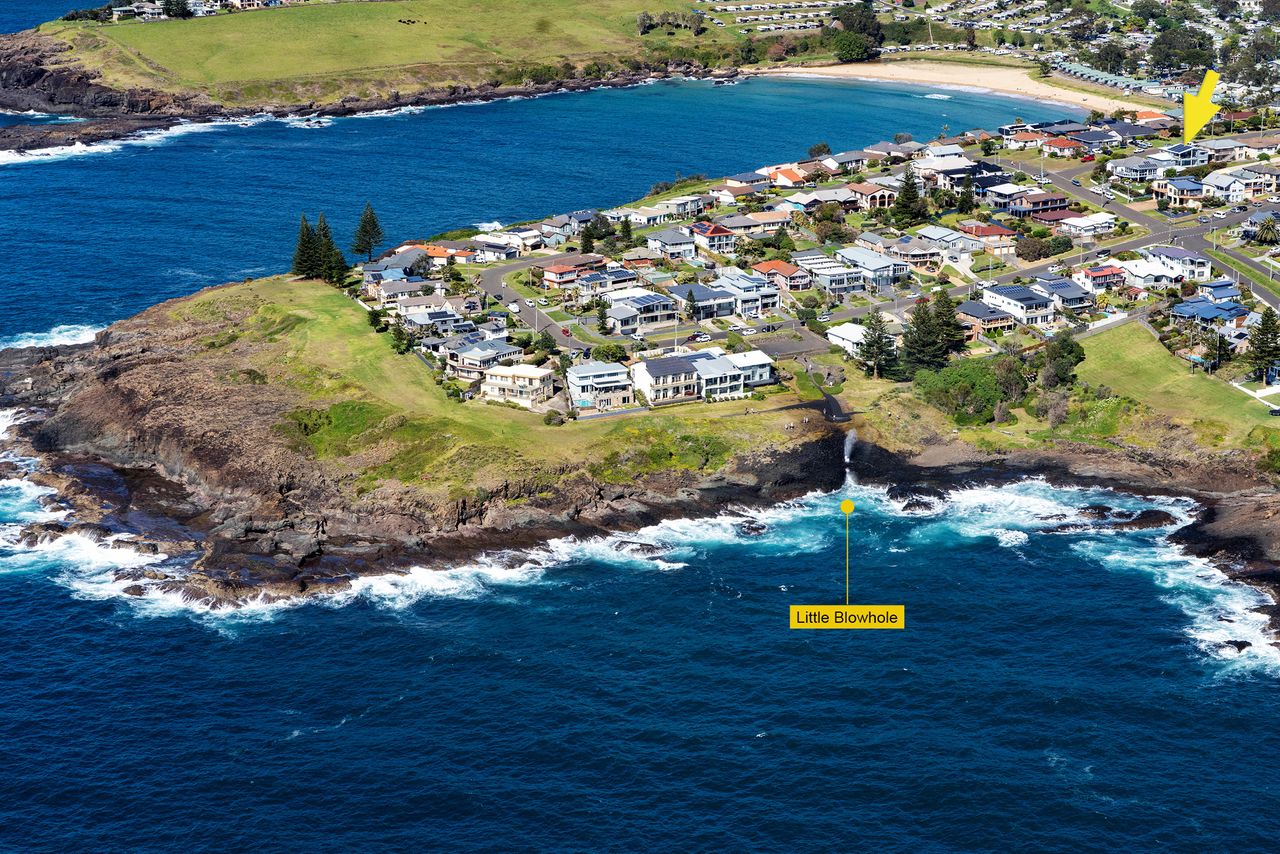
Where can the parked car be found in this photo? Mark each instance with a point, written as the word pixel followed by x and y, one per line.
pixel 1056 268
pixel 637 336
pixel 513 307
pixel 750 330
pixel 1103 253
pixel 1219 214
pixel 1202 219
pixel 529 303
pixel 544 302
pixel 824 318
pixel 1088 158
pixel 564 330
pixel 702 338
pixel 1240 209
pixel 1275 412
pixel 1273 200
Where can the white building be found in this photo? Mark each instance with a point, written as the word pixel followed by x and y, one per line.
pixel 521 384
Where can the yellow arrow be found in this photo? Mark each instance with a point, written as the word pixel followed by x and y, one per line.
pixel 1198 109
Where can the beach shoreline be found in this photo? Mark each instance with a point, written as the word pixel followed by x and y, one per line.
pixel 1001 80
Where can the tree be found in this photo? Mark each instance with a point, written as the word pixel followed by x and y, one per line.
pixel 690 306
pixel 588 240
pixel 854 47
pixel 1264 343
pixel 949 329
pixel 368 233
pixel 330 263
pixel 876 354
pixel 965 202
pixel 819 149
pixel 176 9
pixel 306 252
pixel 970 38
pixel 602 318
pixel 1267 231
pixel 545 342
pixel 859 19
pixel 920 341
pixel 909 207
pixel 1033 249
pixel 625 231
pixel 609 353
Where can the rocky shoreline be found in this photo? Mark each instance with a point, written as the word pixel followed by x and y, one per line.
pixel 35 77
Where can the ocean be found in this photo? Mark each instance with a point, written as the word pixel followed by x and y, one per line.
pixel 1052 692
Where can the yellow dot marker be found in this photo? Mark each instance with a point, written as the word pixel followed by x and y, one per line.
pixel 846 507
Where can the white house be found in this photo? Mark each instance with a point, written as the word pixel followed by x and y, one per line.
pixel 1088 225
pixel 756 367
pixel 847 336
pixel 521 384
pixel 1029 307
pixel 600 385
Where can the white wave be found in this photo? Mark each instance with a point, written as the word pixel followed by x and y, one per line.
pixel 9 418
pixel 68 333
pixel 1219 610
pixel 146 138
pixel 937 96
pixel 20 502
pixel 488 226
pixel 308 122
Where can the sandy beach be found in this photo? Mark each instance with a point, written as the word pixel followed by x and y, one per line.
pixel 1004 79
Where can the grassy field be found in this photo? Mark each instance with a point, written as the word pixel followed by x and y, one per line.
pixel 1134 364
pixel 382 417
pixel 312 50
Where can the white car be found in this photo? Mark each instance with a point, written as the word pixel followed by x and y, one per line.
pixel 1219 214
pixel 749 331
pixel 529 303
pixel 1044 180
pixel 544 302
pixel 823 318
pixel 1273 200
pixel 636 336
pixel 702 338
pixel 513 307
pixel 1056 268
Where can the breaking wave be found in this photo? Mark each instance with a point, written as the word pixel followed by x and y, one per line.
pixel 69 333
pixel 142 139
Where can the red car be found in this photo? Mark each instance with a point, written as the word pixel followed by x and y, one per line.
pixel 564 330
pixel 1088 158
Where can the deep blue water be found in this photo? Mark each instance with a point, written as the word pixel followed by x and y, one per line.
pixel 215 203
pixel 1051 692
pixel 24 14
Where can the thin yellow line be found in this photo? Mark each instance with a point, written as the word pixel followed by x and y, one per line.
pixel 846 558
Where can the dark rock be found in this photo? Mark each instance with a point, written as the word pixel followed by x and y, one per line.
pixel 1096 511
pixel 135 590
pixel 639 549
pixel 751 528
pixel 1240 646
pixel 1145 520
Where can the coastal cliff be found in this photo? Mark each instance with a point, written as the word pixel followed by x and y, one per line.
pixel 37 75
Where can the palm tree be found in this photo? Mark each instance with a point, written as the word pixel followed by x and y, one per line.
pixel 1267 232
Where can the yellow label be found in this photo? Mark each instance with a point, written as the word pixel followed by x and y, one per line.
pixel 848 617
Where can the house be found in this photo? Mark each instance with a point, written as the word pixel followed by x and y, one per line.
pixel 647 217
pixel 1135 168
pixel 1099 279
pixel 913 250
pixel 599 282
pixel 1180 156
pixel 469 360
pixel 1225 186
pixel 389 293
pixel 870 196
pixel 783 275
pixel 1060 147
pixel 1249 228
pixel 699 302
pixel 632 309
pixel 1223 290
pixel 756 367
pixel 670 379
pixel 1026 139
pixel 951 241
pixel 1001 196
pixel 724 194
pixel 600 385
pixel 1184 262
pixel 848 336
pixel 1036 203
pixel 877 270
pixel 713 238
pixel 1096 140
pixel 752 295
pixel 981 319
pixel 1180 192
pixel 1147 274
pixel 718 377
pixel 813 199
pixel 523 384
pixel 397 265
pixel 1206 314
pixel 1065 294
pixel 753 181
pixel 1029 307
pixel 741 225
pixel 1088 225
pixel 1268 145
pixel 828 274
pixel 788 176
pixel 847 161
pixel 771 220
pixel 985 231
pixel 681 207
pixel 674 244
pixel 1225 150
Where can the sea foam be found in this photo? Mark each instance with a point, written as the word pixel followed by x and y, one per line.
pixel 62 334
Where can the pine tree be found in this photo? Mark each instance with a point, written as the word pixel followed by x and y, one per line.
pixel 1264 343
pixel 876 353
pixel 949 329
pixel 920 348
pixel 690 305
pixel 304 253
pixel 368 233
pixel 588 240
pixel 602 318
pixel 908 205
pixel 330 264
pixel 965 203
pixel 625 231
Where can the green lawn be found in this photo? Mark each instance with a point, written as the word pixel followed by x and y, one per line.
pixel 1255 278
pixel 1134 364
pixel 246 54
pixel 340 390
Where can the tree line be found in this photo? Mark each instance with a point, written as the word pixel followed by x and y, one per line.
pixel 316 254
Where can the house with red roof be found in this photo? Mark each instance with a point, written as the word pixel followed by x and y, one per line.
pixel 1062 147
pixel 783 275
